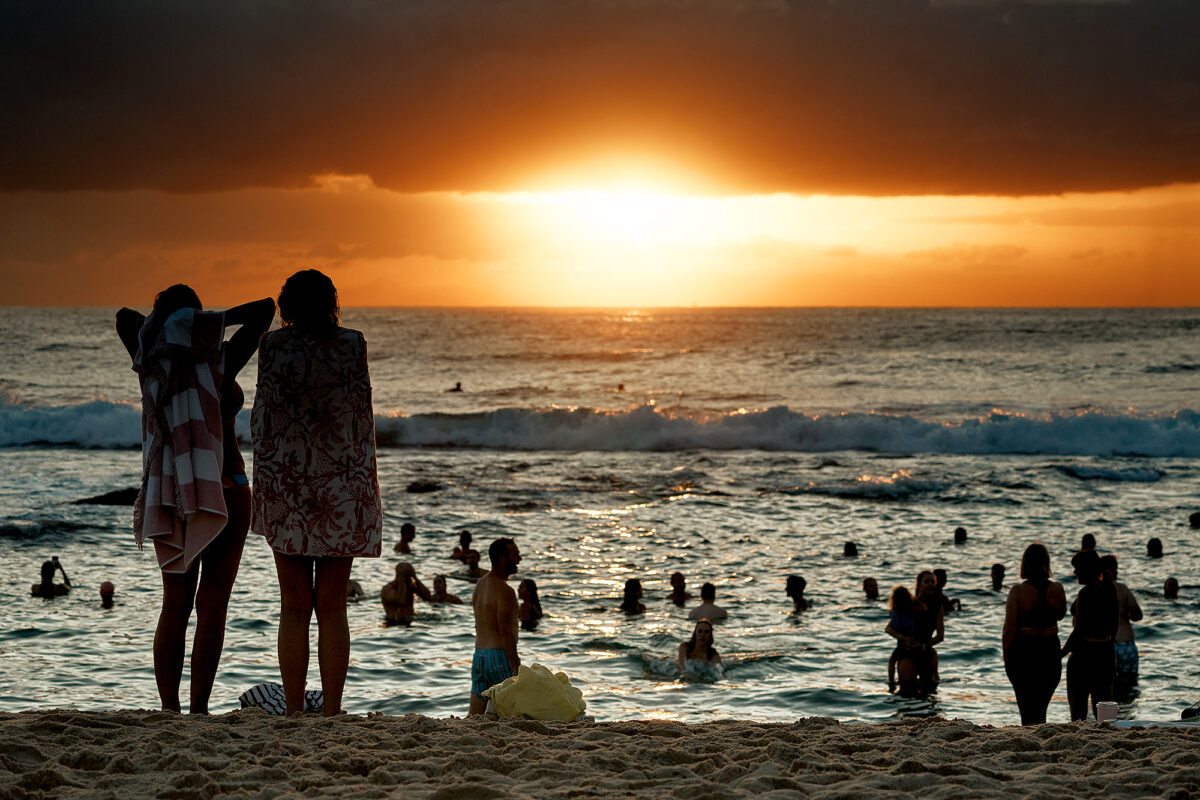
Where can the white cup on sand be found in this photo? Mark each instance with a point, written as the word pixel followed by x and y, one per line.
pixel 1106 711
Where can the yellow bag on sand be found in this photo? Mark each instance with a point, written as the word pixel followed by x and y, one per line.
pixel 537 693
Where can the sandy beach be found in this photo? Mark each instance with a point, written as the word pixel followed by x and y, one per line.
pixel 124 754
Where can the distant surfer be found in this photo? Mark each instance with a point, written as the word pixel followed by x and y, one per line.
pixel 457 387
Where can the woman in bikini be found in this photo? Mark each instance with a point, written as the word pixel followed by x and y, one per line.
pixel 1030 638
pixel 198 570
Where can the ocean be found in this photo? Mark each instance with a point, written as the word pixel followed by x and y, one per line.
pixel 736 446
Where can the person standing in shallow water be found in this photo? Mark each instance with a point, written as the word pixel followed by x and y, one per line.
pixel 495 606
pixel 1128 611
pixel 316 490
pixel 1030 638
pixel 1092 662
pixel 180 351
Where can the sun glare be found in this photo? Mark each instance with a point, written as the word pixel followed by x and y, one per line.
pixel 633 217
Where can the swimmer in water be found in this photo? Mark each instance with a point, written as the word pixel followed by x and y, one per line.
pixel 457 387
pixel 795 590
pixel 871 588
pixel 1171 589
pixel 679 593
pixel 960 535
pixel 354 591
pixel 698 653
pixel 997 577
pixel 530 610
pixel 408 532
pixel 440 595
pixel 474 571
pixel 632 602
pixel 107 590
pixel 1154 548
pixel 849 550
pixel 708 609
pixel 398 596
pixel 48 588
pixel 948 604
pixel 464 546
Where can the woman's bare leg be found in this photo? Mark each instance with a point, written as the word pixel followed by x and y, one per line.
pixel 295 614
pixel 333 638
pixel 179 592
pixel 219 569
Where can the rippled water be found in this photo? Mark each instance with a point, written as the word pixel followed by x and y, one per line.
pixel 744 518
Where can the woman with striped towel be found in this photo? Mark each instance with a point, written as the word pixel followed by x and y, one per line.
pixel 194 502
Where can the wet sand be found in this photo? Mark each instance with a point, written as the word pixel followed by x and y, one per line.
pixel 124 754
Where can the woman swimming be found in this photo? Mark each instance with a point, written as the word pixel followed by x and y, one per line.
pixel 697 656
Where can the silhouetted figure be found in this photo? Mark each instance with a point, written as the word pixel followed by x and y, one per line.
pixel 795 590
pixel 960 535
pixel 494 604
pixel 708 609
pixel 457 387
pixel 1088 542
pixel 1128 611
pixel 679 593
pixel 408 532
pixel 47 588
pixel 464 546
pixel 632 602
pixel 399 595
pixel 870 588
pixel 620 387
pixel 530 610
pixel 849 550
pixel 474 571
pixel 997 577
pixel 354 591
pixel 948 605
pixel 1092 665
pixel 697 655
pixel 1032 659
pixel 107 590
pixel 1154 548
pixel 1170 589
pixel 1194 519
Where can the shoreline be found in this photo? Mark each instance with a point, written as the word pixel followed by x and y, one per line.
pixel 248 753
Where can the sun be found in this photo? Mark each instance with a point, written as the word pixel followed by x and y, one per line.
pixel 631 217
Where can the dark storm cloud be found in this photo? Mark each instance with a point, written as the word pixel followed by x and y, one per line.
pixel 840 96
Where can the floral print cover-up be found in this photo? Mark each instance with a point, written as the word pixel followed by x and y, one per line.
pixel 316 488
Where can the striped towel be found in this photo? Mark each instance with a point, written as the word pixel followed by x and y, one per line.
pixel 181 505
pixel 270 698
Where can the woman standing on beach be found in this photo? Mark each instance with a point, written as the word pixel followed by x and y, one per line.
pixel 194 502
pixel 1030 638
pixel 316 496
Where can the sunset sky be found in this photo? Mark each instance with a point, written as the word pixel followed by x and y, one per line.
pixel 604 152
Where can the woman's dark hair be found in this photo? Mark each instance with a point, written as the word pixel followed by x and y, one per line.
pixel 464 539
pixel 1035 563
pixel 309 300
pixel 48 576
pixel 176 297
pixel 633 591
pixel 796 586
pixel 691 643
pixel 534 600
pixel 920 575
pixel 900 600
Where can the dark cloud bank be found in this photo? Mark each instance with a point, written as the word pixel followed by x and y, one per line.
pixel 841 96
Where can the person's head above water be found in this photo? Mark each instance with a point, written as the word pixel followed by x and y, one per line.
pixel 1154 548
pixel 796 586
pixel 504 556
pixel 527 590
pixel 309 301
pixel 48 568
pixel 939 575
pixel 678 583
pixel 997 576
pixel 471 558
pixel 1088 542
pixel 408 532
pixel 708 593
pixel 1194 519
pixel 439 584
pixel 1035 564
pixel 107 589
pixel 849 550
pixel 871 588
pixel 464 540
pixel 632 593
pixel 960 535
pixel 1170 588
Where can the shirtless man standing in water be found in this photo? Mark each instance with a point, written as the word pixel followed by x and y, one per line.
pixel 495 605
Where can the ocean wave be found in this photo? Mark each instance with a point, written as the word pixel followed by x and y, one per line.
pixel 897 486
pixel 781 429
pixel 1090 473
pixel 104 424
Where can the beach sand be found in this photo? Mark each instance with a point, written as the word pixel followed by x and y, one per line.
pixel 133 754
